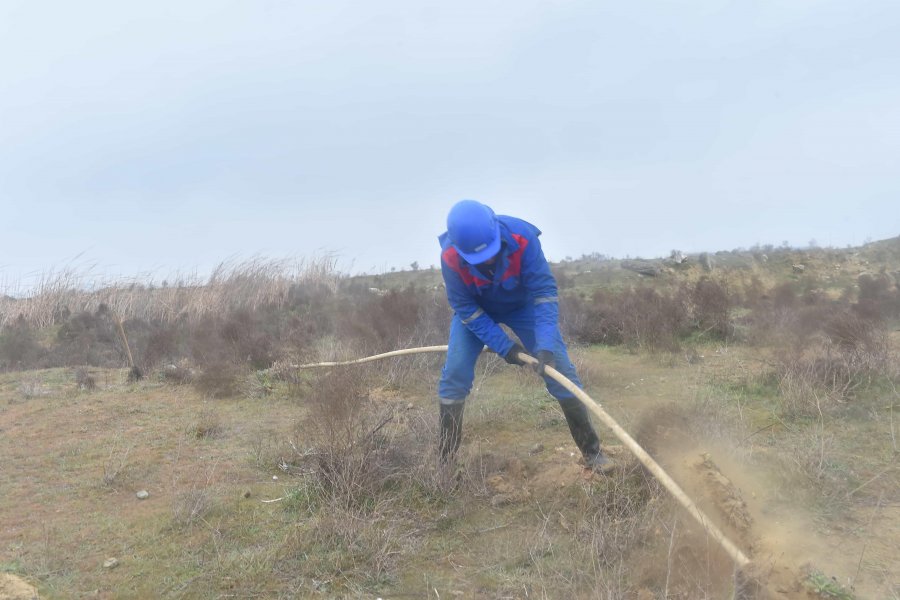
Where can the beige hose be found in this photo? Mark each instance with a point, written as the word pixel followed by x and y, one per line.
pixel 645 459
pixel 733 551
pixel 358 361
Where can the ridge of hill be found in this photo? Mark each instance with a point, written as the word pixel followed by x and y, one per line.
pixel 832 268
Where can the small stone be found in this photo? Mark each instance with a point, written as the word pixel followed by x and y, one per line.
pixel 536 449
pixel 110 563
pixel 274 477
pixel 143 495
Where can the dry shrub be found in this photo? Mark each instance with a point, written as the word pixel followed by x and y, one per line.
pixel 227 348
pixel 258 385
pixel 160 346
pixel 239 337
pixel 88 339
pixel 32 387
pixel 191 505
pixel 641 317
pixel 243 319
pixel 362 459
pixel 350 437
pixel 19 348
pixel 380 322
pixel 218 379
pixel 369 323
pixel 233 285
pixel 620 515
pixel 752 292
pixel 615 528
pixel 828 353
pixel 192 502
pixel 207 424
pixel 879 297
pixel 84 381
pixel 116 463
pixel 711 305
pixel 387 321
pixel 178 374
pixel 350 543
pixel 49 557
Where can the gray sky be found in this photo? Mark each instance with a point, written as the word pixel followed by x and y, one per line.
pixel 166 136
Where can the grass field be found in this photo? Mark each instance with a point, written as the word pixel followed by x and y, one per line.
pixel 266 483
pixel 822 493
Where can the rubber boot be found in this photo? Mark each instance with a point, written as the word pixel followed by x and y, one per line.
pixel 585 437
pixel 451 420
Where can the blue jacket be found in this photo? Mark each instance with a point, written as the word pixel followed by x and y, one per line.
pixel 522 277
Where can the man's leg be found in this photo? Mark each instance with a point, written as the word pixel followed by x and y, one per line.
pixel 577 416
pixel 451 419
pixel 456 381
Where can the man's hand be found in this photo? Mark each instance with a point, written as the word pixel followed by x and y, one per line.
pixel 545 359
pixel 512 357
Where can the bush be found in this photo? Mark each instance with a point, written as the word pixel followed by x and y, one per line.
pixel 827 353
pixel 879 298
pixel 394 319
pixel 218 379
pixel 19 348
pixel 641 317
pixel 88 339
pixel 349 436
pixel 712 308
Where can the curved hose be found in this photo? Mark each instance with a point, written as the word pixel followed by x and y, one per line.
pixel 645 459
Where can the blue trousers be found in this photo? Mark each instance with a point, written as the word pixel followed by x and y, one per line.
pixel 465 347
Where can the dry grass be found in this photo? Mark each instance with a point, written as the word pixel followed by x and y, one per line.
pixel 362 508
pixel 651 317
pixel 117 461
pixel 827 359
pixel 359 505
pixel 231 286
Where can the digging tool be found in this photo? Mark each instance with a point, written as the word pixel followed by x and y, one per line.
pixel 744 584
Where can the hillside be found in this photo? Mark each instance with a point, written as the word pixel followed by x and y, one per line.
pixel 765 381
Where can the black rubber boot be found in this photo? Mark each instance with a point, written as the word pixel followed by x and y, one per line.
pixel 451 430
pixel 584 435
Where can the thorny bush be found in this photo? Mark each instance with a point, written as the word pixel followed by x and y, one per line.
pixel 347 435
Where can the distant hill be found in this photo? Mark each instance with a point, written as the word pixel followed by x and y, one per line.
pixel 827 268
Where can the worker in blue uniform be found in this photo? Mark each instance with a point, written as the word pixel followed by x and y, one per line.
pixel 495 272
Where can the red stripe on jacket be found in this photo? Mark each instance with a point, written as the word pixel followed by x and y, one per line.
pixel 515 259
pixel 451 257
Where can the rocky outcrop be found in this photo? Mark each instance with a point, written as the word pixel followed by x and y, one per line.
pixel 642 267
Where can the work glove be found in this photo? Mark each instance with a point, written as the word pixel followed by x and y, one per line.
pixel 512 357
pixel 545 359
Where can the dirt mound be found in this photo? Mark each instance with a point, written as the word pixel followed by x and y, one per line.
pixel 510 481
pixel 724 494
pixel 509 486
pixel 15 588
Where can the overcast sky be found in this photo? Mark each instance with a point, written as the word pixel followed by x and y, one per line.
pixel 166 136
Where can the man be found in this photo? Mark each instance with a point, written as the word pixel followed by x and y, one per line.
pixel 495 272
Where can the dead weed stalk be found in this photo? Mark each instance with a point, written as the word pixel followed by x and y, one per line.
pixel 232 285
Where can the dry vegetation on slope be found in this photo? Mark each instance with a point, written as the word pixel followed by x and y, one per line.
pixel 767 391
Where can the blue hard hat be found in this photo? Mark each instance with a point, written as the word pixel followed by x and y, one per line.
pixel 474 231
